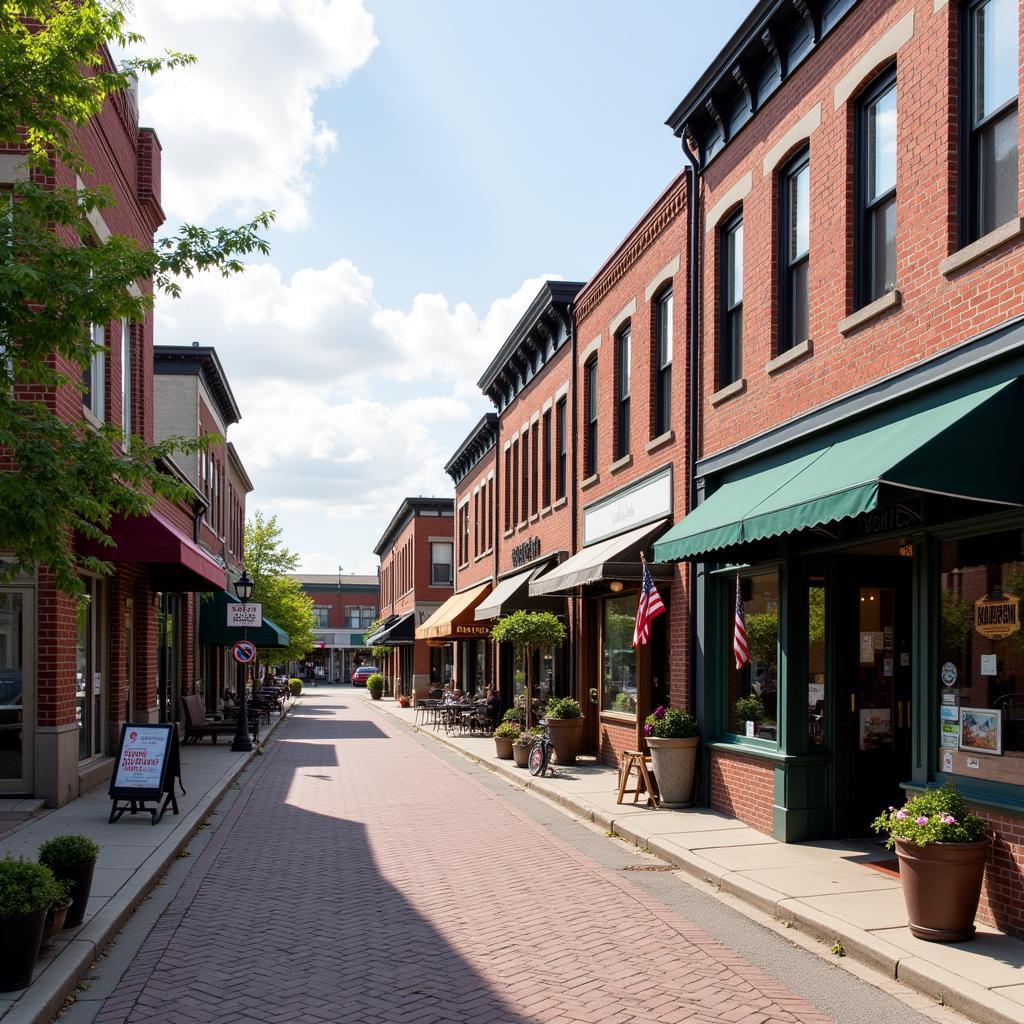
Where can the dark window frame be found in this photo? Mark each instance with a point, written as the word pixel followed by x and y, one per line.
pixel 546 460
pixel 662 369
pixel 524 481
pixel 789 267
pixel 623 388
pixel 730 347
pixel 561 447
pixel 590 417
pixel 535 467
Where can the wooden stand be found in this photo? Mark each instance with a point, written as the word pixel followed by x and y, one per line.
pixel 636 760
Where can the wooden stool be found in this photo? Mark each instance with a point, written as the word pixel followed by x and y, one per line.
pixel 635 759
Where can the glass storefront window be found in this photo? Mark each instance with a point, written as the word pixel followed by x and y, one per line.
pixel 981 658
pixel 751 695
pixel 12 685
pixel 89 672
pixel 816 692
pixel 168 666
pixel 618 658
pixel 518 672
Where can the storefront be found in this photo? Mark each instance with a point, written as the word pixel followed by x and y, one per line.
pixel 879 565
pixel 458 642
pixel 398 633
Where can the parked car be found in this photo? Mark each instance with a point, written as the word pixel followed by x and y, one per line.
pixel 361 674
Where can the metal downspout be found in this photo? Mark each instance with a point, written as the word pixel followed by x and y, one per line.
pixel 574 508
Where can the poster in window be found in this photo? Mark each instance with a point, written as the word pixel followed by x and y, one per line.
pixel 875 728
pixel 981 730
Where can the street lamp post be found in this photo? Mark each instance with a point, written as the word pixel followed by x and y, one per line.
pixel 242 742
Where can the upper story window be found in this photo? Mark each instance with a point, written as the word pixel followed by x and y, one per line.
pixel 662 363
pixel 623 344
pixel 590 418
pixel 561 447
pixel 515 483
pixel 126 378
pixel 94 375
pixel 441 574
pixel 991 198
pixel 463 534
pixel 876 166
pixel 534 467
pixel 359 616
pixel 795 221
pixel 730 355
pixel 524 511
pixel 320 613
pixel 545 469
pixel 508 489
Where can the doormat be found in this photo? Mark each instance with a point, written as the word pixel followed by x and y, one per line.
pixel 886 867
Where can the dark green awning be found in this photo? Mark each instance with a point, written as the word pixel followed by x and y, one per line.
pixel 213 627
pixel 969 447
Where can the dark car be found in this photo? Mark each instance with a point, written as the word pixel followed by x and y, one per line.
pixel 361 674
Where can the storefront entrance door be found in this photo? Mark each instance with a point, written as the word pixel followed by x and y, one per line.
pixel 875 669
pixel 17 689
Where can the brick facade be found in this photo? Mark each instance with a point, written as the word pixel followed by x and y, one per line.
pixel 744 787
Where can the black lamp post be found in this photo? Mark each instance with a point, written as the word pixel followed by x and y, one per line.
pixel 242 742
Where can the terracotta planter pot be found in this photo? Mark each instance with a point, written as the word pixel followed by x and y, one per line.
pixel 80 879
pixel 19 946
pixel 521 753
pixel 673 762
pixel 566 734
pixel 503 747
pixel 55 918
pixel 941 887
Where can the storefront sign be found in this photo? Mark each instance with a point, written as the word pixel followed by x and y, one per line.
pixel 471 630
pixel 897 517
pixel 646 501
pixel 997 617
pixel 245 615
pixel 526 552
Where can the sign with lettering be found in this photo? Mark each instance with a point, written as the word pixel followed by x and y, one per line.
pixel 896 517
pixel 645 501
pixel 526 552
pixel 242 615
pixel 997 617
pixel 145 769
pixel 471 630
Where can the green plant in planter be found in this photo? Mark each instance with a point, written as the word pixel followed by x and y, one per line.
pixel 517 715
pixel 936 816
pixel 72 851
pixel 563 707
pixel 27 887
pixel 670 724
pixel 375 683
pixel 295 686
pixel 529 629
pixel 380 652
pixel 749 708
pixel 508 731
pixel 625 703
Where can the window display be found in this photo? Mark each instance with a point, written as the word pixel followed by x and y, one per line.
pixel 751 708
pixel 618 658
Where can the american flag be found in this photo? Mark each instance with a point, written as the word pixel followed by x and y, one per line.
pixel 739 634
pixel 648 608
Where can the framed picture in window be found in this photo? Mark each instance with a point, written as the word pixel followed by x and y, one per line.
pixel 981 730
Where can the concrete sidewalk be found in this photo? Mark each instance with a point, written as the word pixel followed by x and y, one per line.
pixel 838 892
pixel 134 854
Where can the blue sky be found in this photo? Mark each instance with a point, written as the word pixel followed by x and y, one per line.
pixel 431 162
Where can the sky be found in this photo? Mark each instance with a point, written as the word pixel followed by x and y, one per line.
pixel 430 163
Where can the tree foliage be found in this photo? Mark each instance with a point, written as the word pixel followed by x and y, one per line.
pixel 57 278
pixel 529 629
pixel 267 562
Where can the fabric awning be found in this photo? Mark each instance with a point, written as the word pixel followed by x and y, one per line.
pixel 176 562
pixel 394 630
pixel 613 558
pixel 969 447
pixel 454 619
pixel 513 593
pixel 213 627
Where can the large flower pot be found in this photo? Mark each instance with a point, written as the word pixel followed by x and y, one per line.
pixel 503 748
pixel 673 761
pixel 376 694
pixel 941 887
pixel 19 946
pixel 79 878
pixel 566 734
pixel 521 753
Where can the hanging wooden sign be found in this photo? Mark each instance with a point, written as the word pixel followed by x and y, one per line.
pixel 997 617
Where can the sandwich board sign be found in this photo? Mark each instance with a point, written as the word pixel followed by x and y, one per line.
pixel 147 765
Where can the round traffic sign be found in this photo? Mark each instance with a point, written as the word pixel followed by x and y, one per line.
pixel 243 652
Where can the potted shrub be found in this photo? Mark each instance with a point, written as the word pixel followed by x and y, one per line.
pixel 375 684
pixel 564 718
pixel 27 892
pixel 525 631
pixel 72 859
pixel 672 736
pixel 504 736
pixel 942 849
pixel 521 746
pixel 56 917
pixel 516 714
pixel 750 711
pixel 295 687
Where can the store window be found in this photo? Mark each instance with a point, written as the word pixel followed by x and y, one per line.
pixel 320 613
pixel 618 656
pixel 752 703
pixel 89 673
pixel 441 574
pixel 817 693
pixel 981 658
pixel 168 656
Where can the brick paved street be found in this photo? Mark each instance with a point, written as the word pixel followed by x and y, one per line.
pixel 359 877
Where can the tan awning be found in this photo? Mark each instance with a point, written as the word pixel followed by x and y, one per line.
pixel 512 594
pixel 454 619
pixel 617 558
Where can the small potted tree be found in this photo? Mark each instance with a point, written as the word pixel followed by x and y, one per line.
pixel 504 736
pixel 526 631
pixel 375 685
pixel 673 737
pixel 942 849
pixel 73 860
pixel 564 718
pixel 27 892
pixel 295 687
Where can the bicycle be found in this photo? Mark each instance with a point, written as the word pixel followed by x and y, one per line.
pixel 540 753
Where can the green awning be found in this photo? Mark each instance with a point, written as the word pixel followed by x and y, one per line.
pixel 969 447
pixel 214 628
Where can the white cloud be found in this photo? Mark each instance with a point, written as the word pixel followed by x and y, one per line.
pixel 240 124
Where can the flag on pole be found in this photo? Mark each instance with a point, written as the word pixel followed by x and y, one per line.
pixel 739 634
pixel 648 608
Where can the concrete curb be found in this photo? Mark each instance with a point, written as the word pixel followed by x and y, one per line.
pixel 45 996
pixel 975 1001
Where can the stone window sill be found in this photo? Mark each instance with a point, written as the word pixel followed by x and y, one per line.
pixel 737 387
pixel 561 503
pixel 590 481
pixel 889 301
pixel 981 248
pixel 546 510
pixel 619 464
pixel 508 533
pixel 662 439
pixel 534 517
pixel 788 358
pixel 618 718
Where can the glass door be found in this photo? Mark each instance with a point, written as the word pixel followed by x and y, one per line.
pixel 17 689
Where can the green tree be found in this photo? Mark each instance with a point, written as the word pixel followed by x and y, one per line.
pixel 268 562
pixel 57 278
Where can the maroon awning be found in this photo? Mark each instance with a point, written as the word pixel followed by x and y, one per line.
pixel 176 562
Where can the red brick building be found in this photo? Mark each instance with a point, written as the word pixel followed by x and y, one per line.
pixel 417 574
pixel 72 672
pixel 858 469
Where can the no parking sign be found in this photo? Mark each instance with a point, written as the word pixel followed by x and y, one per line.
pixel 243 652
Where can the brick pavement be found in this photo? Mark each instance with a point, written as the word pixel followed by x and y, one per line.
pixel 359 878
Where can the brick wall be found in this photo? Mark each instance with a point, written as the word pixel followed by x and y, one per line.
pixel 1002 896
pixel 743 787
pixel 482 555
